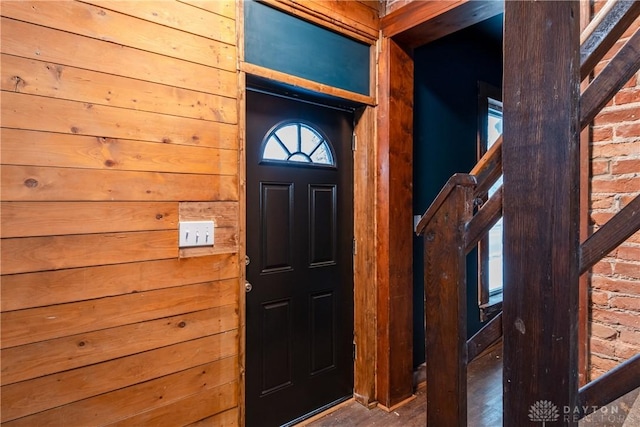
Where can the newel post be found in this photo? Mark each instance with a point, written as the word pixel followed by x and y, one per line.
pixel 541 211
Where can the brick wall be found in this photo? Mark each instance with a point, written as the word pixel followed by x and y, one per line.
pixel 615 180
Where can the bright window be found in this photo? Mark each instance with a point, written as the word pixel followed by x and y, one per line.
pixel 297 142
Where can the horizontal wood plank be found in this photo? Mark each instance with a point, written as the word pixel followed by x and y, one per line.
pixel 48 392
pixel 30 219
pixel 26 183
pixel 71 117
pixel 34 77
pixel 224 214
pixel 48 357
pixel 46 44
pixel 179 16
pixel 101 409
pixel 222 7
pixel 30 254
pixel 106 25
pixel 45 323
pixel 76 151
pixel 209 402
pixel 21 291
pixel 225 419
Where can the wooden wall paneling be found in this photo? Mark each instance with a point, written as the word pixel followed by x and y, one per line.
pixel 63 116
pixel 224 8
pixel 394 228
pixel 226 225
pixel 60 47
pixel 59 389
pixel 27 326
pixel 103 24
pixel 190 409
pixel 541 207
pixel 225 419
pixel 78 151
pixel 21 291
pixel 137 398
pixel 31 219
pixel 328 15
pixel 365 257
pixel 26 183
pixel 34 77
pixel 29 254
pixel 179 16
pixel 30 361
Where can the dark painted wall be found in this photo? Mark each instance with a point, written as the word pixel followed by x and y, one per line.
pixel 447 72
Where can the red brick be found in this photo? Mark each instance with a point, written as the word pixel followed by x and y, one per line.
pixel 616 285
pixel 625 199
pixel 602 347
pixel 603 364
pixel 633 82
pixel 623 166
pixel 629 253
pixel 627 114
pixel 599 218
pixel 617 149
pixel 599 167
pixel 611 53
pixel 601 133
pixel 630 337
pixel 619 185
pixel 602 267
pixel 626 303
pixel 634 26
pixel 625 351
pixel 635 238
pixel 627 96
pixel 599 298
pixel 629 131
pixel 611 317
pixel 603 331
pixel 627 269
pixel 602 201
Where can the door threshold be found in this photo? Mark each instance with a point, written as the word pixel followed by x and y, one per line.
pixel 320 412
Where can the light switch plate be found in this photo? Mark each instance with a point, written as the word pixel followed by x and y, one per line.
pixel 195 233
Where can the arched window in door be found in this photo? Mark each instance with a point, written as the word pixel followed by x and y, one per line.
pixel 297 142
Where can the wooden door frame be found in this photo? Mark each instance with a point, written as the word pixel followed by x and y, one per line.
pixel 406 28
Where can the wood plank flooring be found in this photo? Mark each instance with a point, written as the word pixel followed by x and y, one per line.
pixel 484 402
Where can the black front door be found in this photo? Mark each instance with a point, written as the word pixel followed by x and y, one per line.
pixel 299 356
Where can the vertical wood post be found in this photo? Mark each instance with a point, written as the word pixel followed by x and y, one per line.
pixel 541 211
pixel 446 310
pixel 394 226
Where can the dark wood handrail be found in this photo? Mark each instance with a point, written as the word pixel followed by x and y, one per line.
pixel 604 30
pixel 614 384
pixel 489 168
pixel 458 179
pixel 483 220
pixel 610 80
pixel 481 340
pixel 615 231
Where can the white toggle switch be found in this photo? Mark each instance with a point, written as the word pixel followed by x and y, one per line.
pixel 195 233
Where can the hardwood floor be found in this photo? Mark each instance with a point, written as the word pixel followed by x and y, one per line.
pixel 484 402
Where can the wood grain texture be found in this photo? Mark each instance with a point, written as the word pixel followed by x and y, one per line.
pixel 48 392
pixel 541 206
pixel 180 16
pixel 21 291
pixel 80 118
pixel 102 24
pixel 46 44
pixel 446 309
pixel 31 183
pixel 224 8
pixel 225 419
pixel 44 323
pixel 364 164
pixel 137 398
pixel 394 226
pixel 421 22
pixel 61 354
pixel 30 76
